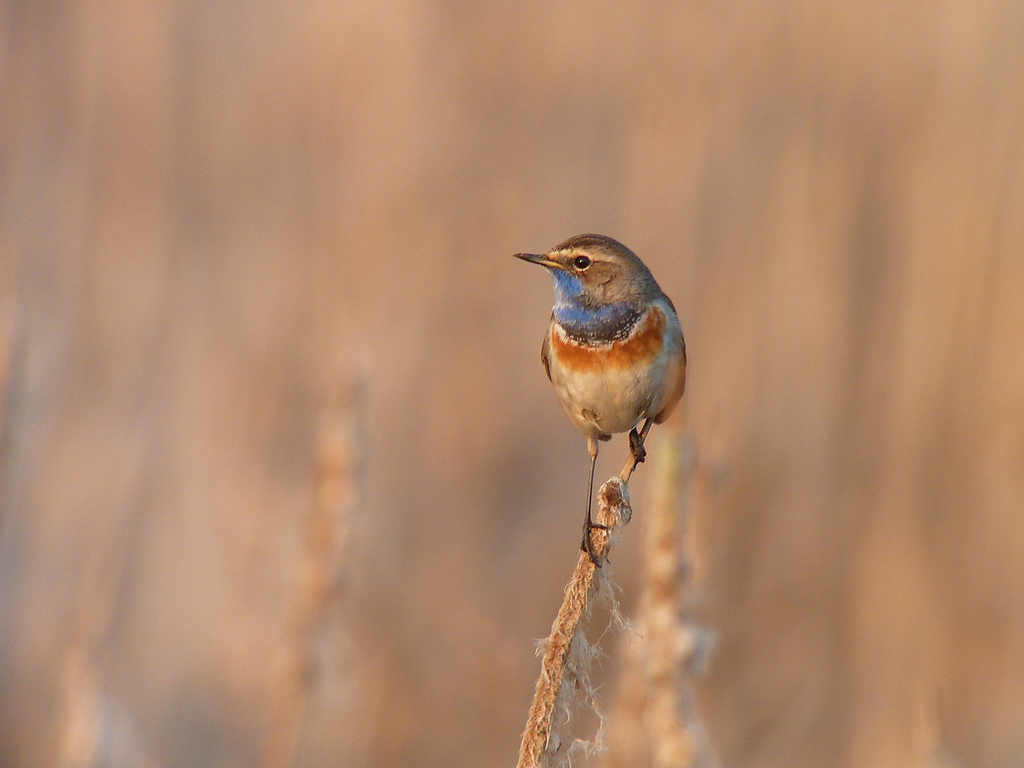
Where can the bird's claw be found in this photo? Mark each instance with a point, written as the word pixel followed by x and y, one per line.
pixel 636 447
pixel 587 545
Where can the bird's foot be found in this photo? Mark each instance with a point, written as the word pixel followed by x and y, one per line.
pixel 636 446
pixel 587 545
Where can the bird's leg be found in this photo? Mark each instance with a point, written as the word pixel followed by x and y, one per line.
pixel 588 524
pixel 636 441
pixel 636 446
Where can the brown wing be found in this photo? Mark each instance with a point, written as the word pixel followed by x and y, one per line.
pixel 679 376
pixel 545 351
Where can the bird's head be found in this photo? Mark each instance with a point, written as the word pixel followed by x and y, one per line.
pixel 594 271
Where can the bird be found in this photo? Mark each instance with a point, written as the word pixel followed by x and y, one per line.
pixel 614 349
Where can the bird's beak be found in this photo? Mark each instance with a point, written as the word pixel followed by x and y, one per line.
pixel 539 258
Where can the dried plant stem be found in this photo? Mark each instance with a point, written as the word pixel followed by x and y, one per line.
pixel 335 497
pixel 667 637
pixel 653 722
pixel 613 510
pixel 79 740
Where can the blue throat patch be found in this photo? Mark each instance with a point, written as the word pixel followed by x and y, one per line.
pixel 568 288
pixel 589 324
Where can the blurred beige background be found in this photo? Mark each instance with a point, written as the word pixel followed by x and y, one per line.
pixel 250 245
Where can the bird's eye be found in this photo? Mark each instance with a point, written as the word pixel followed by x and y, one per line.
pixel 581 262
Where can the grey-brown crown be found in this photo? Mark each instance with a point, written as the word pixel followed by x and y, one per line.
pixel 615 274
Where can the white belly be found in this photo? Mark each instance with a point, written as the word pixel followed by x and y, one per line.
pixel 608 403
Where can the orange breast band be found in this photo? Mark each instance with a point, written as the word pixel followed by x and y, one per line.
pixel 641 346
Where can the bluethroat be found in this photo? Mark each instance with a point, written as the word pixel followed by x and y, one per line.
pixel 614 350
